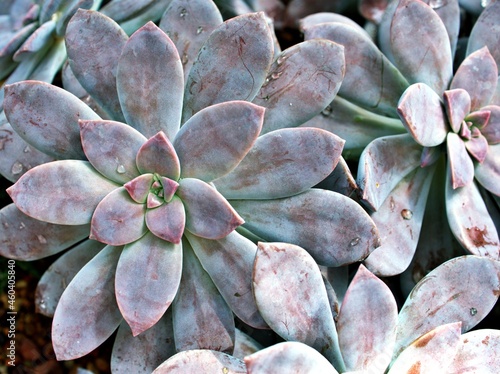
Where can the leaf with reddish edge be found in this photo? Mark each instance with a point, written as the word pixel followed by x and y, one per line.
pixel 433 352
pixel 427 58
pixel 87 35
pixel 118 219
pixel 229 262
pixel 477 147
pixel 457 103
pixel 488 172
pixel 202 319
pixel 462 289
pixel 383 164
pixel 367 323
pixel 147 278
pixel 138 188
pixel 60 273
pixel 158 155
pixel 399 221
pixel 61 192
pixel 212 142
pixel 491 130
pixel 201 361
pixel 87 314
pixel 450 13
pixel 333 228
pixel 111 148
pixel 167 221
pixel 340 180
pixel 232 64
pixel 208 214
pixel 459 162
pixel 302 81
pixel 291 296
pixel 150 82
pixel 486 32
pixel 282 163
pixel 244 345
pixel 47 117
pixel 288 357
pixel 42 36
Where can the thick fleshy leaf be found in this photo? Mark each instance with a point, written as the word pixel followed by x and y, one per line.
pixel 168 220
pixel 333 228
pixel 288 357
pixel 367 322
pixel 486 31
pixel 88 34
pixel 139 188
pixel 477 147
pixel 303 80
pixel 292 299
pixel 208 214
pixel 199 361
pixel 427 58
pixel 150 82
pixel 158 156
pixel 463 289
pixel 47 117
pixel 457 103
pixel 229 262
pixel 244 345
pixel 123 10
pixel 68 9
pixel 340 180
pixel 488 172
pixel 147 278
pixel 118 219
pixel 492 130
pixel 324 17
pixel 43 35
pixel 232 65
pixel 212 142
pixel 297 9
pixel 111 148
pixel 460 164
pixel 62 192
pixel 202 319
pixel 450 13
pixel 283 163
pixel 87 313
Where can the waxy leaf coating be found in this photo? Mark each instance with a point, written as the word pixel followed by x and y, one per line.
pixel 199 361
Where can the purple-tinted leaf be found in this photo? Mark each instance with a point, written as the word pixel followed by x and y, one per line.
pixel 147 278
pixel 477 147
pixel 43 35
pixel 450 13
pixel 60 273
pixel 111 148
pixel 297 9
pixel 487 173
pixel 47 117
pixel 138 188
pixel 333 228
pixel 66 12
pixel 87 313
pixel 151 13
pixel 87 35
pixel 492 129
pixel 199 361
pixel 303 80
pixel 480 118
pixel 229 262
pixel 462 289
pixel 118 220
pixel 48 8
pixel 202 319
pixel 244 345
pixel 232 65
pixel 62 192
pixel 457 103
pixel 212 142
pixel 283 163
pixel 158 155
pixel 288 357
pixel 208 214
pixel 486 31
pixel 340 180
pixel 168 220
pixel 150 82
pixel 367 322
pixel 460 164
pixel 124 9
pixel 324 17
pixel 373 10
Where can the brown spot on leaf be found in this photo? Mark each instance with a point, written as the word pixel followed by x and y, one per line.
pixel 415 368
pixel 478 236
pixel 486 340
pixel 423 341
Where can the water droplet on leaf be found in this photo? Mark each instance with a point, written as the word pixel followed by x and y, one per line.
pixel 22 226
pixel 473 311
pixel 485 3
pixel 355 242
pixel 17 168
pixel 436 4
pixel 327 111
pixel 183 13
pixel 120 169
pixel 41 239
pixel 184 59
pixel 27 149
pixel 407 214
pixel 199 30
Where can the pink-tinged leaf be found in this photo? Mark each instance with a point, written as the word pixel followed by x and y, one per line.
pixel 433 352
pixel 303 80
pixel 428 58
pixel 450 13
pixel 158 155
pixel 212 142
pixel 232 65
pixel 87 313
pixel 383 164
pixel 423 115
pixel 202 319
pixel 87 35
pixel 457 103
pixel 282 163
pixel 150 82
pixel 292 299
pixel 367 323
pixel 62 192
pixel 478 75
pixel 169 188
pixel 138 188
pixel 229 262
pixel 208 214
pixel 373 10
pixel 66 12
pixel 324 17
pixel 333 228
pixel 118 219
pixel 340 180
pixel 111 148
pixel 463 289
pixel 55 279
pixel 460 164
pixel 486 31
pixel 477 147
pixel 167 221
pixel 488 172
pixel 200 361
pixel 147 278
pixel 479 352
pixel 288 357
pixel 480 118
pixel 244 345
pixel 43 36
pixel 492 129
pixel 154 201
pixel 47 117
